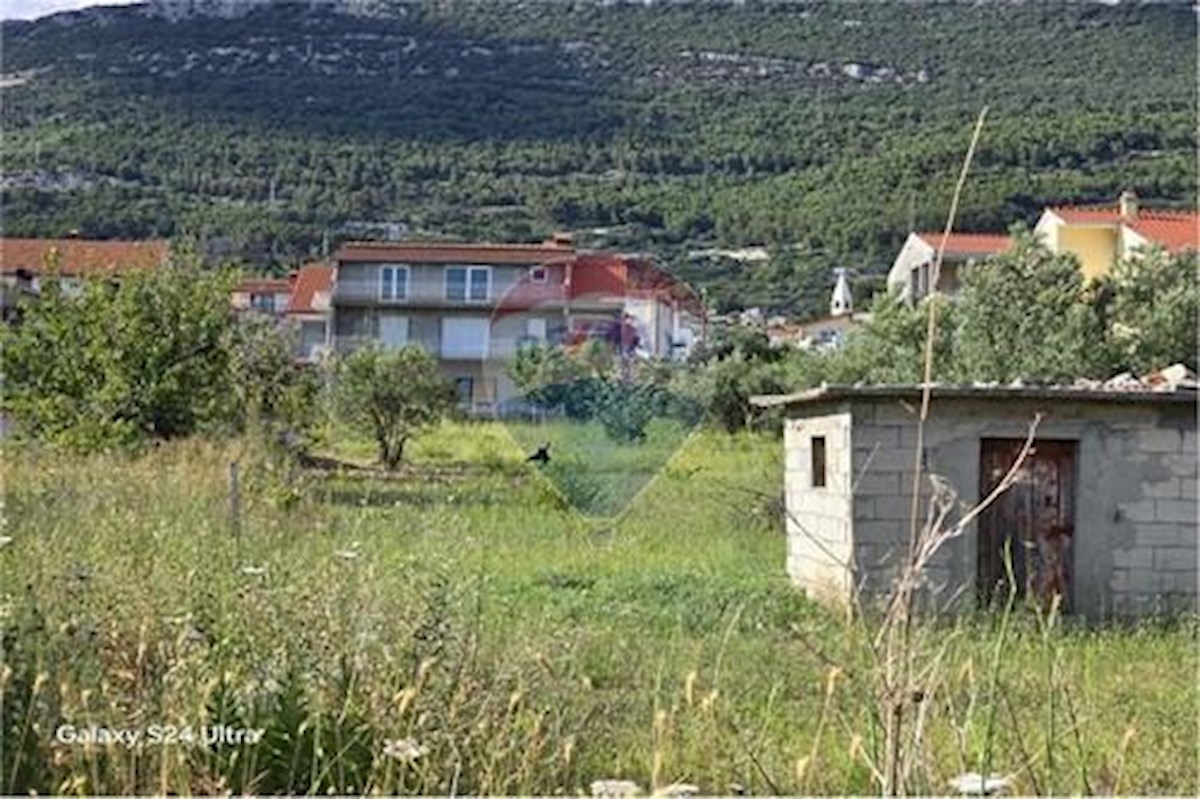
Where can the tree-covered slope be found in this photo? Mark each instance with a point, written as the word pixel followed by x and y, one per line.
pixel 662 127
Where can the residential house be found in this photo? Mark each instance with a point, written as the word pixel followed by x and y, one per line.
pixel 309 310
pixel 264 295
pixel 1102 511
pixel 474 305
pixel 1101 236
pixel 912 273
pixel 24 263
pixel 1098 236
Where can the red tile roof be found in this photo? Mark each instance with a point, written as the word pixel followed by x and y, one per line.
pixel 1100 215
pixel 1174 230
pixel 75 256
pixel 969 243
pixel 311 280
pixel 452 252
pixel 600 275
pixel 265 285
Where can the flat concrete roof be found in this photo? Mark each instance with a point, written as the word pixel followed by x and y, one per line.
pixel 1098 393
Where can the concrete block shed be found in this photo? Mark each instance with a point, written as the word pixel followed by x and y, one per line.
pixel 1103 511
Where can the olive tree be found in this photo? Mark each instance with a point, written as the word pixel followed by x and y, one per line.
pixel 390 395
pixel 1027 315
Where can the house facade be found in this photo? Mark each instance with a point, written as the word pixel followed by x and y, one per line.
pixel 24 263
pixel 1102 511
pixel 309 311
pixel 1100 236
pixel 267 296
pixel 912 273
pixel 1097 236
pixel 473 306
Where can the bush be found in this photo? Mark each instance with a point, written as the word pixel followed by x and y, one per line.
pixel 625 408
pixel 723 378
pixel 585 385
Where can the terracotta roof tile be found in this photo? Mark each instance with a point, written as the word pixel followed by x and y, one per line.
pixel 1175 232
pixel 452 252
pixel 75 256
pixel 267 285
pixel 311 281
pixel 1099 215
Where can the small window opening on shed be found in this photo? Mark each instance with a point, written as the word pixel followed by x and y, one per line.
pixel 818 461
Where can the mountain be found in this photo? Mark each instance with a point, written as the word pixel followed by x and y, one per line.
pixel 273 129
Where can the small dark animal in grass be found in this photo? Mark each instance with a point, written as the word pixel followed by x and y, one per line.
pixel 542 456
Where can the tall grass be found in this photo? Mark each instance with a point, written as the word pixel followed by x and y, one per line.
pixel 464 609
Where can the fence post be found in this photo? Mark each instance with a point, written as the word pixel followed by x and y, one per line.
pixel 235 501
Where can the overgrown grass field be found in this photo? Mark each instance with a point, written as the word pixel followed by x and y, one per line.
pixel 464 607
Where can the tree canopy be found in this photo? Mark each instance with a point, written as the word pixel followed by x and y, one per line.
pixel 820 130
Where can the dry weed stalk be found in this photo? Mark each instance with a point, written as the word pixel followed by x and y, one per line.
pixel 903 670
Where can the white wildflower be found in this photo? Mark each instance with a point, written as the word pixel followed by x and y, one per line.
pixel 346 554
pixel 254 571
pixel 612 789
pixel 975 784
pixel 406 750
pixel 5 540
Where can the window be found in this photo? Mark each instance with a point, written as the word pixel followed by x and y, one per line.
pixel 465 337
pixel 393 331
pixel 468 283
pixel 818 461
pixel 393 283
pixel 920 281
pixel 263 302
pixel 464 388
pixel 539 274
pixel 536 329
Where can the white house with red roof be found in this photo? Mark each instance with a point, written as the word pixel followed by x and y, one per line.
pixel 912 272
pixel 264 295
pixel 1098 237
pixel 24 263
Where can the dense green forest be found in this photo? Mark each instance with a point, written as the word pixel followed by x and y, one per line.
pixel 825 131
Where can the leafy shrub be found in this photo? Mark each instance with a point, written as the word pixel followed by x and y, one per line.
pixel 624 408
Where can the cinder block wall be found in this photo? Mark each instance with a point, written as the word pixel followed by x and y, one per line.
pixel 818 525
pixel 884 437
pixel 1155 546
pixel 1136 544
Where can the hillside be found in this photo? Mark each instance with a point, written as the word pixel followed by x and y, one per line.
pixel 662 128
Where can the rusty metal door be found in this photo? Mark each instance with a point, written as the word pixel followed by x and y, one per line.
pixel 1031 525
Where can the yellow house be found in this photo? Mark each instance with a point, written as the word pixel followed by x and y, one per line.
pixel 1100 236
